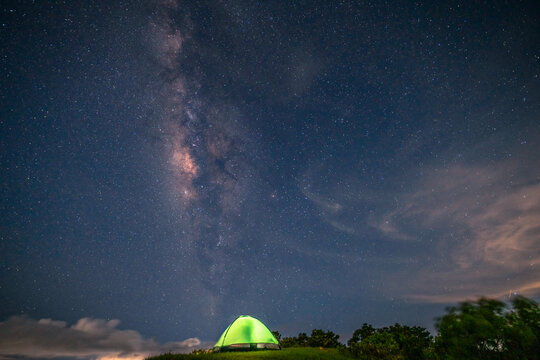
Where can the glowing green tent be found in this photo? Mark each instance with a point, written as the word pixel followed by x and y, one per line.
pixel 246 333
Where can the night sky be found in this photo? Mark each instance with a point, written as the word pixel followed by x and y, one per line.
pixel 166 167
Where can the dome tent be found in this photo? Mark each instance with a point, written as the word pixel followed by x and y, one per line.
pixel 246 333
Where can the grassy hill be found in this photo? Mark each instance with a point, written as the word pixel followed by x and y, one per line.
pixel 288 353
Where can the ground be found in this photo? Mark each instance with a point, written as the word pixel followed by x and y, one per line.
pixel 288 353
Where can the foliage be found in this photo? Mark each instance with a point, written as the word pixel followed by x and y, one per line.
pixel 300 341
pixel 288 342
pixel 318 338
pixel 485 329
pixel 411 342
pixel 472 330
pixel 523 335
pixel 362 333
pixel 380 345
pixel 325 339
pixel 276 334
pixel 201 351
pixel 303 339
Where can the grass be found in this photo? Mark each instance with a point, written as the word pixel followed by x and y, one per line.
pixel 287 353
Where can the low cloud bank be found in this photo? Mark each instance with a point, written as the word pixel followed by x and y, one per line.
pixel 88 338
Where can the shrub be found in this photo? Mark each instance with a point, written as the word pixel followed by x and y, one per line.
pixel 289 342
pixel 379 346
pixel 320 338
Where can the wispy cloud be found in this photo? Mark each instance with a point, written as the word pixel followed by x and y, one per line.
pixel 468 230
pixel 88 338
pixel 338 205
pixel 486 226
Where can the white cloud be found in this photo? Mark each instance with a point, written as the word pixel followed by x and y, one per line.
pixel 89 338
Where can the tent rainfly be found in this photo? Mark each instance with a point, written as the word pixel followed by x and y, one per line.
pixel 246 334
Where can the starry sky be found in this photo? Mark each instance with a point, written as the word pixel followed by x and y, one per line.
pixel 167 166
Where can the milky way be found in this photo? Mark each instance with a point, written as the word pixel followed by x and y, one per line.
pixel 206 147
